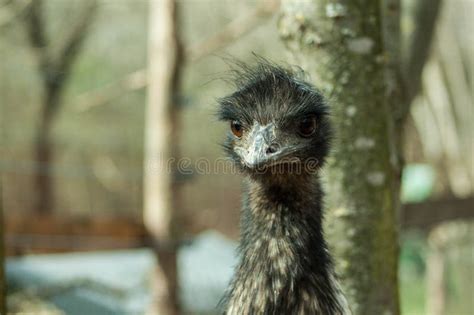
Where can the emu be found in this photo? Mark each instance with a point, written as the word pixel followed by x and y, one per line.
pixel 279 138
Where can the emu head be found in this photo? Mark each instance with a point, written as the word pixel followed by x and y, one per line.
pixel 277 122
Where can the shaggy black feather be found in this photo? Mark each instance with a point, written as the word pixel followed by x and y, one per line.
pixel 284 266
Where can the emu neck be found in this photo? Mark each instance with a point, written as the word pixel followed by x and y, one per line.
pixel 288 211
pixel 285 267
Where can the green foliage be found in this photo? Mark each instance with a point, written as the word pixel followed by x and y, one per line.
pixel 417 182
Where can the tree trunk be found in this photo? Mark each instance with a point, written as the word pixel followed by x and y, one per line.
pixel 54 70
pixel 3 304
pixel 53 89
pixel 341 46
pixel 43 158
pixel 43 186
pixel 160 143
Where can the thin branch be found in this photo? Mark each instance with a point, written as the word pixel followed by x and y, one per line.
pixel 8 15
pixel 138 79
pixel 35 25
pixel 419 44
pixel 131 82
pixel 452 65
pixel 73 43
pixel 437 95
pixel 59 68
pixel 429 214
pixel 232 31
pixel 55 70
pixel 37 36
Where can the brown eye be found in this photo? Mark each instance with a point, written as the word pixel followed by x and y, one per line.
pixel 236 128
pixel 307 126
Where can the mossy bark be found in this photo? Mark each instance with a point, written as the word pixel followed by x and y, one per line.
pixel 340 45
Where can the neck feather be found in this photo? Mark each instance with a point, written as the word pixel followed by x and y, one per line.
pixel 285 266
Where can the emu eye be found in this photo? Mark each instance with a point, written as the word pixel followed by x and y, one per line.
pixel 307 126
pixel 236 128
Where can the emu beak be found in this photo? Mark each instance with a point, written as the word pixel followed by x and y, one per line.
pixel 261 146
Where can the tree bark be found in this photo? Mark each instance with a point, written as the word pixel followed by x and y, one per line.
pixel 340 44
pixel 160 201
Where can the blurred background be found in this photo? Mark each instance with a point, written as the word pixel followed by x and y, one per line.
pixel 73 78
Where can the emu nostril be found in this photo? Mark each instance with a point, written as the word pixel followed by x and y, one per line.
pixel 272 148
